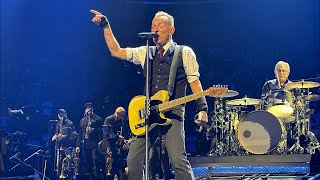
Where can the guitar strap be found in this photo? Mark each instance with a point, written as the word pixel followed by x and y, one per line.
pixel 173 68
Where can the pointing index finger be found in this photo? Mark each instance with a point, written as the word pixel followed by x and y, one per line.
pixel 95 12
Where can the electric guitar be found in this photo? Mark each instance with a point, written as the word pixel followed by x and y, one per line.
pixel 158 105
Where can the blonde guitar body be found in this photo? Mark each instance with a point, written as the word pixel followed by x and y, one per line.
pixel 136 110
pixel 159 104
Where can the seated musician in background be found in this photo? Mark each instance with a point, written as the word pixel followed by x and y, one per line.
pixel 115 132
pixel 90 133
pixel 65 137
pixel 282 71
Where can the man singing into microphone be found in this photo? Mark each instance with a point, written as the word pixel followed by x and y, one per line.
pixel 187 72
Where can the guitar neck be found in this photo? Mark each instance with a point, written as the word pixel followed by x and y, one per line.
pixel 170 104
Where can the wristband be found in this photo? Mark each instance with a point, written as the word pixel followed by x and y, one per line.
pixel 202 104
pixel 104 22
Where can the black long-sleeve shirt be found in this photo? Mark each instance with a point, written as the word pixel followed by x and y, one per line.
pixel 90 139
pixel 67 129
pixel 115 126
pixel 271 87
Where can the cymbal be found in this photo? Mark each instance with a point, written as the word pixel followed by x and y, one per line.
pixel 302 84
pixel 229 93
pixel 243 102
pixel 313 97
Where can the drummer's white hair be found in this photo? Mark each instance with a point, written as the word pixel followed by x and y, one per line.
pixel 279 63
pixel 162 13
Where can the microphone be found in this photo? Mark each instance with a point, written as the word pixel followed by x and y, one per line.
pixel 86 113
pixel 148 35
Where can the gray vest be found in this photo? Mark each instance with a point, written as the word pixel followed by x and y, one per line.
pixel 160 70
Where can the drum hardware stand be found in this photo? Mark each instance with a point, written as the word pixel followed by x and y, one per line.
pixel 303 130
pixel 313 143
pixel 296 148
pixel 218 117
pixel 284 149
pixel 235 148
pixel 218 151
pixel 219 146
pixel 229 143
pixel 233 140
pixel 225 141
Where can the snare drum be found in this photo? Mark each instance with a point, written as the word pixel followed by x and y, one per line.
pixel 261 132
pixel 279 103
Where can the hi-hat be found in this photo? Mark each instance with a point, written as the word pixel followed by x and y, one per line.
pixel 229 93
pixel 302 84
pixel 244 102
pixel 313 97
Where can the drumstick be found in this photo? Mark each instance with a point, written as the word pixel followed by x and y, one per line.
pixel 277 76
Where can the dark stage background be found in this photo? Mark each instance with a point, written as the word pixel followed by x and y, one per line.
pixel 53 56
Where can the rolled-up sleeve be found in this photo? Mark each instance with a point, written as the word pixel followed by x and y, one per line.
pixel 190 64
pixel 136 55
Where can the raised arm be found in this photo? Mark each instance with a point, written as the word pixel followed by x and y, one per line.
pixel 111 41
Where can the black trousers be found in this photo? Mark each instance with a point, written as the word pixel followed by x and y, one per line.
pixel 91 163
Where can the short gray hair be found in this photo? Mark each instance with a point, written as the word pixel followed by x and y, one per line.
pixel 279 63
pixel 162 13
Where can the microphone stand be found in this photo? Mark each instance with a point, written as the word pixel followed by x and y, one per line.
pixel 148 36
pixel 23 162
pixel 15 156
pixel 147 111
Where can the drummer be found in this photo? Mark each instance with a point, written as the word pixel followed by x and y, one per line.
pixel 281 71
pixel 271 88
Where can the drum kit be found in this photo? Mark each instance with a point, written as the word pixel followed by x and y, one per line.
pixel 276 124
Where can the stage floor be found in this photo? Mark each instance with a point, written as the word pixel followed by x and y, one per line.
pixel 288 166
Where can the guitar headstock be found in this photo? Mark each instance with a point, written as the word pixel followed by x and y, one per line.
pixel 217 90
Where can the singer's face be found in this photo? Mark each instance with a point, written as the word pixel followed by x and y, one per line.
pixel 163 27
pixel 283 73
